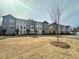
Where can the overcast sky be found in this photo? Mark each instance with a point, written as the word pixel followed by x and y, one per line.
pixel 38 10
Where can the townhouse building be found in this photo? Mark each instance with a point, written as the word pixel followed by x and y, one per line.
pixel 14 26
pixel 33 27
pixel 0 29
pixel 39 27
pixel 62 29
pixel 68 29
pixel 30 26
pixel 20 27
pixel 45 27
pixel 8 24
pixel 52 28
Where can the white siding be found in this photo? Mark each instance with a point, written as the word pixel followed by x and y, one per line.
pixel 39 28
pixel 21 25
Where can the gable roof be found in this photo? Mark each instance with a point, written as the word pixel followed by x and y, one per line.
pixel 9 15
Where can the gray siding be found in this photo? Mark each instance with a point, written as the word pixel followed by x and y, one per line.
pixel 9 24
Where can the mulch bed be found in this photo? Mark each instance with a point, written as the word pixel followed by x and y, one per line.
pixel 61 45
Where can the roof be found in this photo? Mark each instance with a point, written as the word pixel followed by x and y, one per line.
pixel 59 25
pixel 46 22
pixel 8 15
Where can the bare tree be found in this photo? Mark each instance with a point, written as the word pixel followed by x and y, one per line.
pixel 55 15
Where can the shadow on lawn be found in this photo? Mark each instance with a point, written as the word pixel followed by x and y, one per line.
pixel 60 44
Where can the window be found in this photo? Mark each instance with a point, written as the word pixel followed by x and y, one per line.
pixel 24 32
pixel 20 32
pixel 32 28
pixel 21 27
pixel 24 27
pixel 17 27
pixel 11 26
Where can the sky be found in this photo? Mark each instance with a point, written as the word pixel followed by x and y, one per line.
pixel 39 10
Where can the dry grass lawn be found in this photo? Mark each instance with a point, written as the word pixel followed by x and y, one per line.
pixel 37 48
